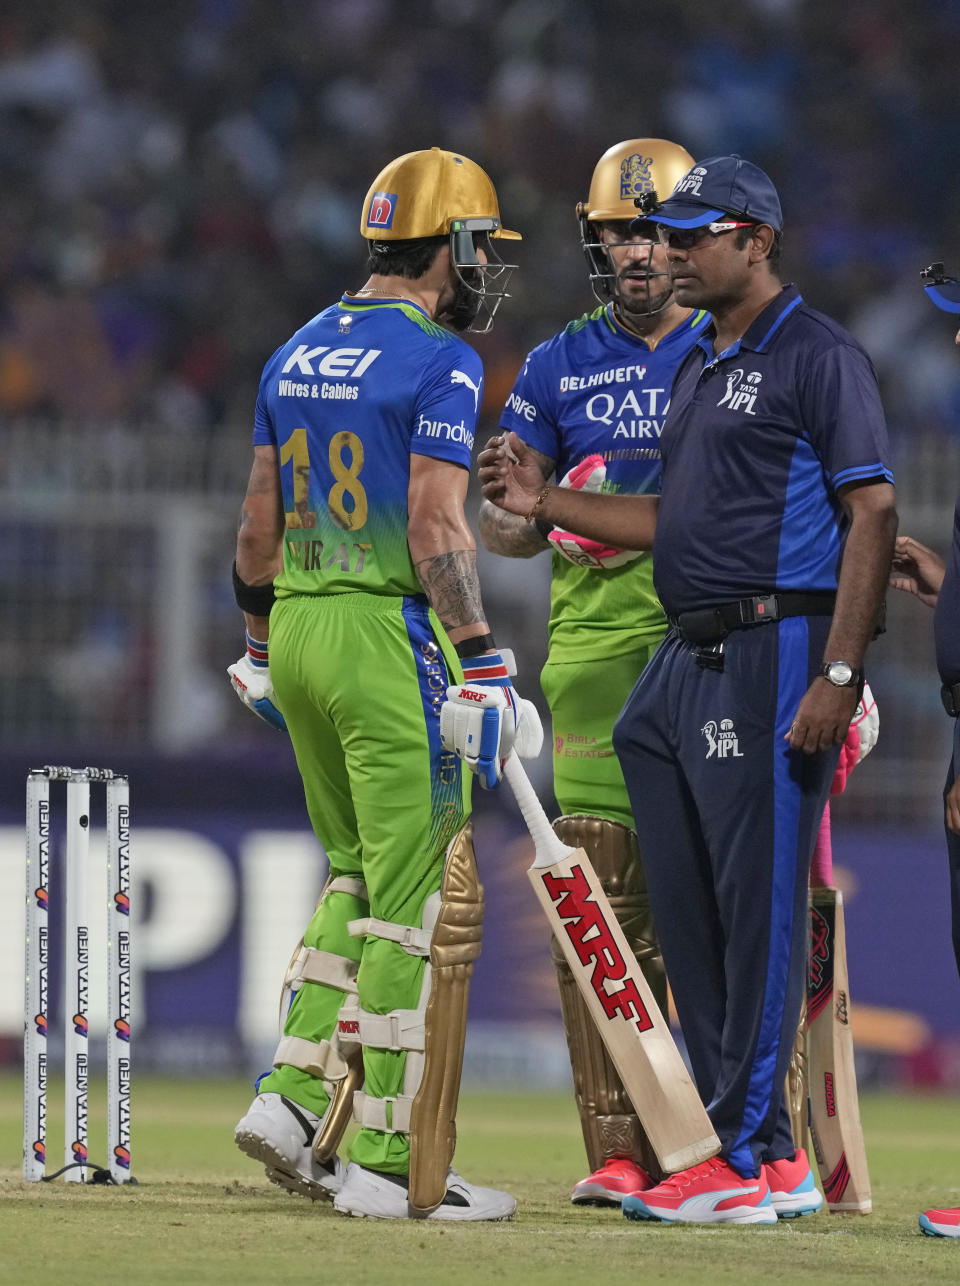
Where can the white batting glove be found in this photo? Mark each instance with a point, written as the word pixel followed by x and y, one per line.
pixel 589 475
pixel 866 720
pixel 860 740
pixel 483 719
pixel 250 679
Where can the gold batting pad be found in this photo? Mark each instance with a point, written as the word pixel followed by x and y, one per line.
pixel 796 1086
pixel 453 948
pixel 611 1127
pixel 340 1108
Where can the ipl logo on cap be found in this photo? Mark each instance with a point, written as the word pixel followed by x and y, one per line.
pixel 382 208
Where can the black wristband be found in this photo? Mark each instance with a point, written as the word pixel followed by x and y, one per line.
pixel 475 646
pixel 543 527
pixel 255 600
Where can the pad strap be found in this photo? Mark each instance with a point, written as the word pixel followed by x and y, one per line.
pixel 416 942
pixel 347 884
pixel 372 1112
pixel 316 1058
pixel 312 965
pixel 397 1030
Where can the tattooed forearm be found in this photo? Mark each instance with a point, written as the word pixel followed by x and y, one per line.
pixel 450 583
pixel 260 529
pixel 508 534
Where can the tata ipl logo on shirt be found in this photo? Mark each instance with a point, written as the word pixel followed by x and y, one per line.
pixel 635 176
pixel 383 206
pixel 741 393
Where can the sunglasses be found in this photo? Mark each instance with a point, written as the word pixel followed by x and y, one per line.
pixel 691 238
pixel 943 290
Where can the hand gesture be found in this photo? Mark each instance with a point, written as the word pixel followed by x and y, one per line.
pixel 917 570
pixel 509 474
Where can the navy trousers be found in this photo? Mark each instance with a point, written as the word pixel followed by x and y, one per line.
pixel 727 817
pixel 953 847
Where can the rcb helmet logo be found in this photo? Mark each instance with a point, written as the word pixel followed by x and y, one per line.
pixel 635 176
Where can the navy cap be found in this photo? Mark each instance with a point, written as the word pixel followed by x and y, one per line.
pixel 716 187
pixel 943 290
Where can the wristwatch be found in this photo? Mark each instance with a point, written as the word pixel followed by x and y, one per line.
pixel 842 674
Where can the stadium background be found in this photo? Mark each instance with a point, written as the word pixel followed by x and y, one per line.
pixel 181 188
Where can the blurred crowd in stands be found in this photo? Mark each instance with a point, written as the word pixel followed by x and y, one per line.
pixel 182 182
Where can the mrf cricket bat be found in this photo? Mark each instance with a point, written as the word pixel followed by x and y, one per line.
pixel 834 1105
pixel 616 993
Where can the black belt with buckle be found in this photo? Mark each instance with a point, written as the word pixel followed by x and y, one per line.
pixel 950 696
pixel 711 624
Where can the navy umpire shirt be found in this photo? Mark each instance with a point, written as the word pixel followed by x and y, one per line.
pixel 757 441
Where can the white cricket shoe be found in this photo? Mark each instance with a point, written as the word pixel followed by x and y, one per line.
pixel 280 1133
pixel 370 1194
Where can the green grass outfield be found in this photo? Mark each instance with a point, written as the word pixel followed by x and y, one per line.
pixel 203 1213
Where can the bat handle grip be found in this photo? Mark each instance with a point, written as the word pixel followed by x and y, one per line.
pixel 549 848
pixel 821 867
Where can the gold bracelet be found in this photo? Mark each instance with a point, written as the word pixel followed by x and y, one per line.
pixel 537 503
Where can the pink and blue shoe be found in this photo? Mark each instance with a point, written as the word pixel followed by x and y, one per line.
pixel 941 1223
pixel 792 1190
pixel 617 1178
pixel 711 1192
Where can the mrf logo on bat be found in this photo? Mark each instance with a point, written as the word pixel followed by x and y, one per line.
pixel 593 942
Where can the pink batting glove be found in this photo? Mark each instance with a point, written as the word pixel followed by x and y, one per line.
pixel 861 738
pixel 589 475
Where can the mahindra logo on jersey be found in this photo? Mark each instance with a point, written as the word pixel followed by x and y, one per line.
pixel 444 429
pixel 741 393
pixel 383 205
pixel 338 362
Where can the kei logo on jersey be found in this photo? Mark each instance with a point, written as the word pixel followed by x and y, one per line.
pixel 741 393
pixel 722 741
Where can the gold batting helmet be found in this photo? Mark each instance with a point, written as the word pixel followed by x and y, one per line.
pixel 423 194
pixel 626 172
pixel 629 170
pixel 433 193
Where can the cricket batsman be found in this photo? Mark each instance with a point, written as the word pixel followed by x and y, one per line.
pixel 589 405
pixel 356 574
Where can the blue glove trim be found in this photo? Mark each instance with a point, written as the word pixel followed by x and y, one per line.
pixel 488 767
pixel 270 714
